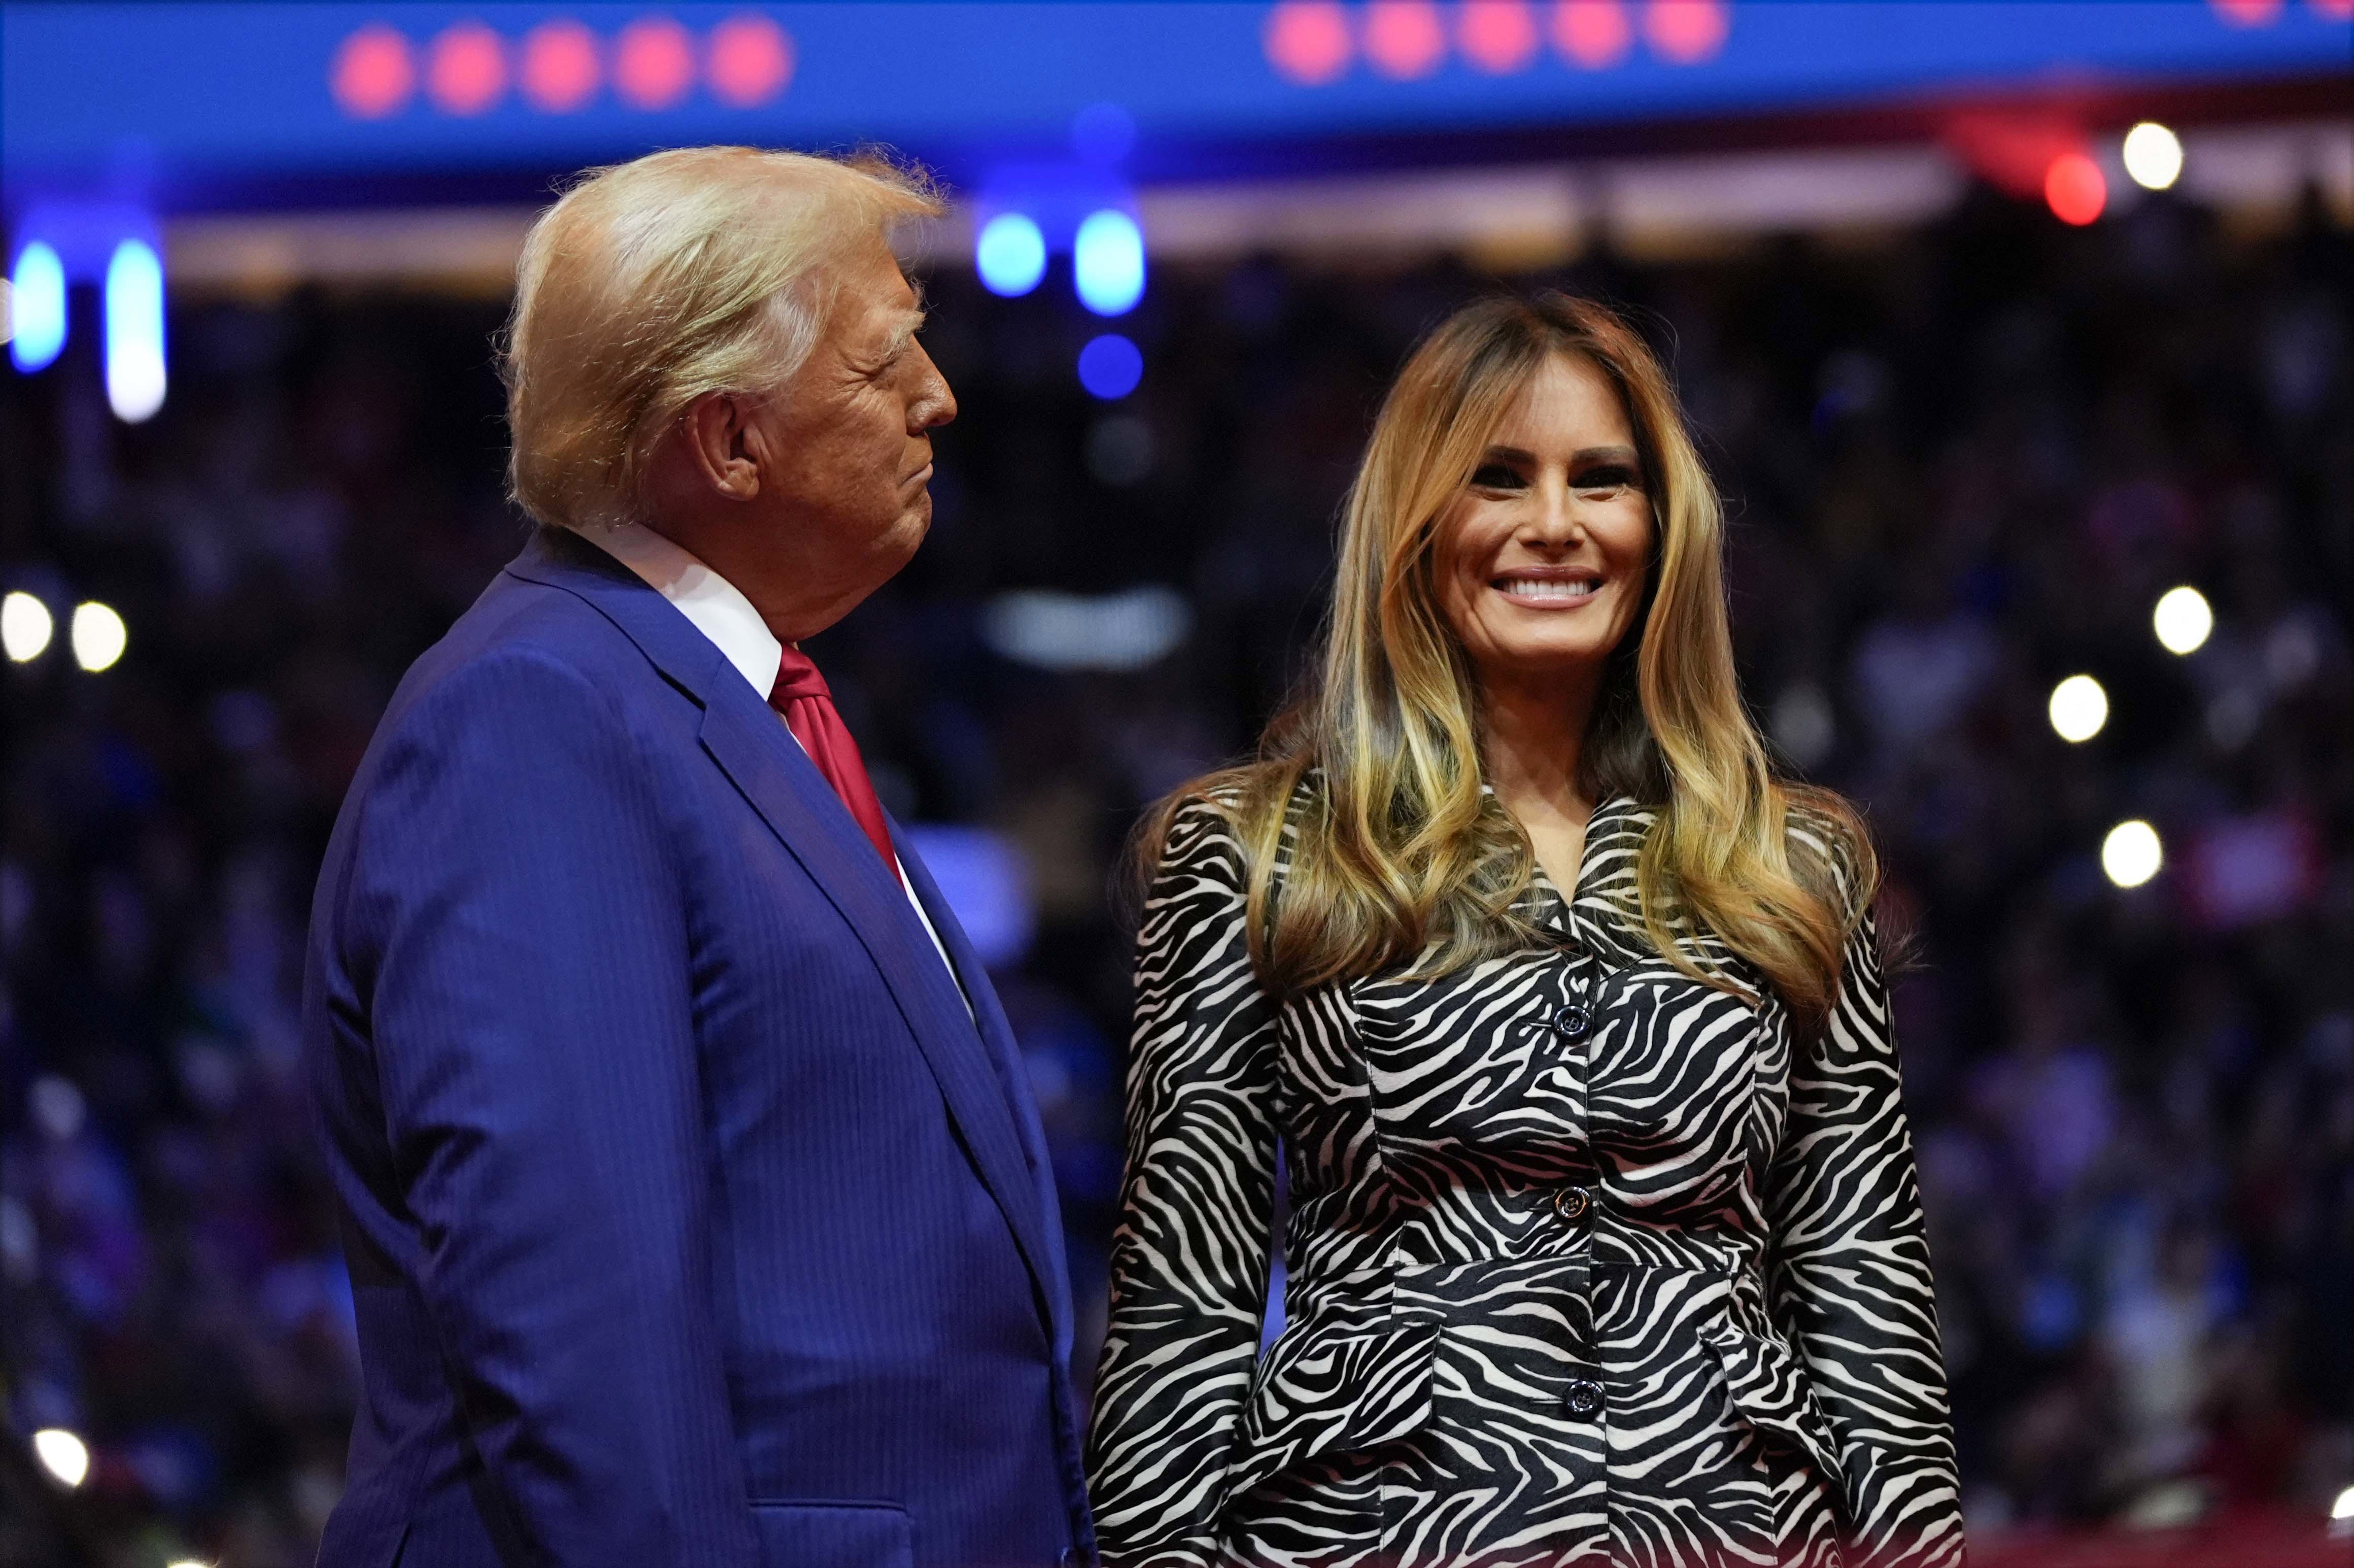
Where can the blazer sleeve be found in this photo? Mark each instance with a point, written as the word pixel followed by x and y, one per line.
pixel 524 944
pixel 1189 1256
pixel 1850 1279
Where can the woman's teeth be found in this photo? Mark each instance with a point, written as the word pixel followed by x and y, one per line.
pixel 1549 588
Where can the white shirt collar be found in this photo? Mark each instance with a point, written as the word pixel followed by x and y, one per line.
pixel 710 602
pixel 718 609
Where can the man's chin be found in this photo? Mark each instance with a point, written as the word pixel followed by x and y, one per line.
pixel 906 535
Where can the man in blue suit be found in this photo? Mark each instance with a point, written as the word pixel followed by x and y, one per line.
pixel 696 1212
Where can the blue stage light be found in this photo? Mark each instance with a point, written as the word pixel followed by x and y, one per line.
pixel 134 331
pixel 1010 254
pixel 1108 264
pixel 1110 367
pixel 36 307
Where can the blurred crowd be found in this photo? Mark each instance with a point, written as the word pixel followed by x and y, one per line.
pixel 1961 461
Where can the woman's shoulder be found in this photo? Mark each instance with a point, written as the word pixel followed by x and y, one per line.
pixel 1821 830
pixel 1202 821
pixel 1214 826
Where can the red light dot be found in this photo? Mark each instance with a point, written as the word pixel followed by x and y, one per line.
pixel 560 65
pixel 1686 31
pixel 1308 40
pixel 1594 34
pixel 1497 36
pixel 1404 39
pixel 2247 12
pixel 653 62
pixel 467 70
pixel 373 73
pixel 751 61
pixel 2074 189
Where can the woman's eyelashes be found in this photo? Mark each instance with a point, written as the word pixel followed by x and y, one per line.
pixel 1603 479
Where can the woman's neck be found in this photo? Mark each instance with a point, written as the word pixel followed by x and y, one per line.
pixel 1534 733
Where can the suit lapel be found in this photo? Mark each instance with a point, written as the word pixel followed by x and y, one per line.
pixel 744 737
pixel 1005 1052
pixel 785 788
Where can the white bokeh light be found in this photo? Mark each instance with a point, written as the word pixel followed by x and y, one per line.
pixel 98 636
pixel 63 1455
pixel 2079 708
pixel 134 331
pixel 2182 620
pixel 2153 155
pixel 1108 262
pixel 2131 855
pixel 26 626
pixel 1010 254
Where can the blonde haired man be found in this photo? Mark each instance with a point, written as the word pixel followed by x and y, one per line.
pixel 696 1212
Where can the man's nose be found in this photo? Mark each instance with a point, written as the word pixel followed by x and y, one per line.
pixel 934 404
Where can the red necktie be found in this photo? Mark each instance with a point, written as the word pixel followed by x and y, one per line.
pixel 800 694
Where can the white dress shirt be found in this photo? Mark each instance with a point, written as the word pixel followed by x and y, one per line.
pixel 716 609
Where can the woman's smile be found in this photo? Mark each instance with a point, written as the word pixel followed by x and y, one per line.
pixel 1550 588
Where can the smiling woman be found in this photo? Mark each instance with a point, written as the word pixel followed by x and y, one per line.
pixel 1473 709
pixel 1567 1017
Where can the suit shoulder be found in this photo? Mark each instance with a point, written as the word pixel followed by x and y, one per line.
pixel 521 632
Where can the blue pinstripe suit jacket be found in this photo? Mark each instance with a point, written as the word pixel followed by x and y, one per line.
pixel 692 1218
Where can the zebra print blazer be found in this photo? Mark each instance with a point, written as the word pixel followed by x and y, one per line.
pixel 1586 1262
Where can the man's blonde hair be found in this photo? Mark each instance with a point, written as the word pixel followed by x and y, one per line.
pixel 653 282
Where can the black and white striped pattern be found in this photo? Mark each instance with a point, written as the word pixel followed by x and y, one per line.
pixel 1649 1292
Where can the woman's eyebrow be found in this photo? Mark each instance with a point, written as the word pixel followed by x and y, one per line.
pixel 1584 455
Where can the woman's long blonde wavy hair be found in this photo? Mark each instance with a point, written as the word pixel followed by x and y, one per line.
pixel 1398 853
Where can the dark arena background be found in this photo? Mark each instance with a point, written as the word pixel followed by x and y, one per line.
pixel 2018 335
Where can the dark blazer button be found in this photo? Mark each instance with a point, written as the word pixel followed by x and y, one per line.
pixel 1584 1400
pixel 1571 1202
pixel 1573 1021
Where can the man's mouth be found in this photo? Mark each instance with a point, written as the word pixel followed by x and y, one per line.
pixel 1548 589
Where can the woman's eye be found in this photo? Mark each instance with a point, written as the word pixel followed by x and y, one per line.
pixel 1607 479
pixel 1495 476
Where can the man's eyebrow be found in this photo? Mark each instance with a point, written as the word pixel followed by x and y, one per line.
pixel 904 330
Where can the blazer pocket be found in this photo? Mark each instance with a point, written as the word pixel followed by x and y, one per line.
pixel 1768 1387
pixel 1332 1388
pixel 835 1535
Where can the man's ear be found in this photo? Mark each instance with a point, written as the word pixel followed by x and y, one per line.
pixel 715 426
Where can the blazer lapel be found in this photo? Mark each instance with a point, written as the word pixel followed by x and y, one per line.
pixel 1006 1055
pixel 743 736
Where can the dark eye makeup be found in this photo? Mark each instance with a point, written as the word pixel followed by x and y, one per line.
pixel 1606 476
